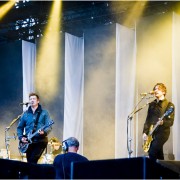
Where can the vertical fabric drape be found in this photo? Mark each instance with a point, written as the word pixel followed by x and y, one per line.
pixel 73 100
pixel 29 63
pixel 125 87
pixel 176 84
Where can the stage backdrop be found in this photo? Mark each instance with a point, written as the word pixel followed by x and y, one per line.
pixel 176 82
pixel 158 61
pixel 11 92
pixel 110 84
pixel 44 76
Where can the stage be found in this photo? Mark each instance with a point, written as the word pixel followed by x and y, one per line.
pixel 125 168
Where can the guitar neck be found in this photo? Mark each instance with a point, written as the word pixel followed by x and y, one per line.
pixel 157 124
pixel 32 135
pixel 35 133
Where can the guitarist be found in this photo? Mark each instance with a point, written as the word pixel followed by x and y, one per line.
pixel 31 121
pixel 161 134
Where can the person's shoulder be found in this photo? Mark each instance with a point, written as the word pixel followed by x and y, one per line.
pixel 44 111
pixel 75 155
pixel 58 159
pixel 171 105
pixel 25 114
pixel 59 156
pixel 82 157
pixel 152 102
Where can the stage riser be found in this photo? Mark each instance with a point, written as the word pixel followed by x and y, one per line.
pixel 131 168
pixel 11 169
pixel 128 168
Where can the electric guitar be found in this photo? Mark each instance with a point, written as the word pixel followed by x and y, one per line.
pixel 24 146
pixel 152 128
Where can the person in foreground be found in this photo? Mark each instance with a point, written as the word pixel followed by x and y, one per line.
pixel 156 110
pixel 62 162
pixel 35 121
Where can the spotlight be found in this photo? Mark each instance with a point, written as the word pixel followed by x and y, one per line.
pixel 19 4
pixel 16 5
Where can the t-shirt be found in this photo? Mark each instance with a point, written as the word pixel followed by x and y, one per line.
pixel 62 164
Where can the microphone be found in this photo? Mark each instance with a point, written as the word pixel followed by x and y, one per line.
pixel 146 93
pixel 25 103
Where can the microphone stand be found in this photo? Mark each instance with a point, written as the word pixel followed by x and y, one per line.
pixel 129 118
pixel 7 138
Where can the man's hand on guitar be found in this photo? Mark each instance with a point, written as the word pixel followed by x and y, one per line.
pixel 160 122
pixel 24 140
pixel 145 136
pixel 41 132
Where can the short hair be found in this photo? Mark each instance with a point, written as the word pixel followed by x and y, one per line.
pixel 162 87
pixel 54 139
pixel 72 141
pixel 34 94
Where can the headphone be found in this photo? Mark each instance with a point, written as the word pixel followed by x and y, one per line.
pixel 72 141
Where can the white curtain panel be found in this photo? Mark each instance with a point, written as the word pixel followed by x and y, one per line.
pixel 73 100
pixel 125 87
pixel 29 63
pixel 176 84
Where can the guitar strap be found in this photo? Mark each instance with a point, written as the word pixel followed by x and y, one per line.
pixel 37 119
pixel 165 107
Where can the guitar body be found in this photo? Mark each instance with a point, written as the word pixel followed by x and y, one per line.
pixel 24 146
pixel 147 143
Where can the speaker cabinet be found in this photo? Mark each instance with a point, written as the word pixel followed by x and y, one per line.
pixel 11 169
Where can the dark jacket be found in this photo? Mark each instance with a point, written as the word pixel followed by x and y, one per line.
pixel 156 111
pixel 27 122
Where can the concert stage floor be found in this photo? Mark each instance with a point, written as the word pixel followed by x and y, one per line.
pixel 127 168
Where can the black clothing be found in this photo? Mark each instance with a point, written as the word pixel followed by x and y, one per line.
pixel 162 132
pixel 62 164
pixel 35 151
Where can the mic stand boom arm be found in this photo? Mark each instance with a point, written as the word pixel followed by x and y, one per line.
pixel 130 116
pixel 13 121
pixel 142 107
pixel 7 138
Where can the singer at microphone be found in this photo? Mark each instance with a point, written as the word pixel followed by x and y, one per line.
pixel 25 103
pixel 37 120
pixel 146 93
pixel 161 114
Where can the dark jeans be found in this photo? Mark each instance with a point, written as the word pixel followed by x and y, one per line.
pixel 156 148
pixel 35 151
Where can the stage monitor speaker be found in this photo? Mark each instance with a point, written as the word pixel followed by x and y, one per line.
pixel 171 164
pixel 128 168
pixel 12 169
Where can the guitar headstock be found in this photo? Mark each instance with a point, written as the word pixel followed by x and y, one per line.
pixel 50 123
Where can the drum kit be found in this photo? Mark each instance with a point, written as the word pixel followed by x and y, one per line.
pixel 54 148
